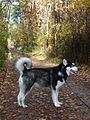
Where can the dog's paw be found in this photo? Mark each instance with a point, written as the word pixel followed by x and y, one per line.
pixel 19 105
pixel 57 105
pixel 24 106
pixel 60 103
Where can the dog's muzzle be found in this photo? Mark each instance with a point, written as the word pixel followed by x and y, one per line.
pixel 74 70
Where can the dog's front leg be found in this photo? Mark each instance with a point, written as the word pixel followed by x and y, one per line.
pixel 57 92
pixel 55 98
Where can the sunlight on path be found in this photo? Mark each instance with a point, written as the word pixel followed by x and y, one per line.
pixel 10 46
pixel 14 54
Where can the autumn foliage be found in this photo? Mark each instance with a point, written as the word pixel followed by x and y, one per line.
pixel 60 28
pixel 3 39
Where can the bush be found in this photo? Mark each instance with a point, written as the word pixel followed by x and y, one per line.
pixel 3 43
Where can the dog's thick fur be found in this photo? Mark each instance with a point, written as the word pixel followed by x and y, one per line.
pixel 52 77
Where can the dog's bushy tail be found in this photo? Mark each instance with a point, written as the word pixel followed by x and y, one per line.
pixel 22 63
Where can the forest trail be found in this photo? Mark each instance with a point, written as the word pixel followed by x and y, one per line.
pixel 40 105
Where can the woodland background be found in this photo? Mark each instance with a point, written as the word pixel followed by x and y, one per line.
pixel 54 28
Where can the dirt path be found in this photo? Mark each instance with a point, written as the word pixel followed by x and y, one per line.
pixel 40 106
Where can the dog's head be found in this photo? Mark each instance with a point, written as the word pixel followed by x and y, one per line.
pixel 70 67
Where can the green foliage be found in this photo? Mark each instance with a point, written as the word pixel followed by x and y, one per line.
pixel 3 55
pixel 3 35
pixel 23 37
pixel 3 43
pixel 72 38
pixel 85 67
pixel 15 10
pixel 61 27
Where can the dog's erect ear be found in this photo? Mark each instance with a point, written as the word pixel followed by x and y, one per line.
pixel 65 62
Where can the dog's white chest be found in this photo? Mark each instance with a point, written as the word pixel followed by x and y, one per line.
pixel 59 84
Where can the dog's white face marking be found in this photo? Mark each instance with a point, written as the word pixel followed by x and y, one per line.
pixel 74 69
pixel 71 70
pixel 73 63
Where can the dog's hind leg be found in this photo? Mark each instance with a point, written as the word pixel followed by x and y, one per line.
pixel 19 99
pixel 21 95
pixel 25 85
pixel 23 101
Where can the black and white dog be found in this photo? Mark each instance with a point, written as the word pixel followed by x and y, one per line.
pixel 52 77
